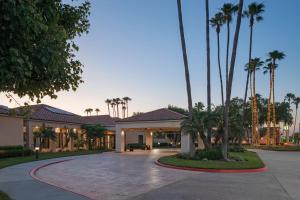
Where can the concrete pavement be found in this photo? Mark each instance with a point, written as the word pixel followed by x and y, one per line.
pixel 135 176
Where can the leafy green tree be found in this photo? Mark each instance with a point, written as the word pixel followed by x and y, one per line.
pixel 296 102
pixel 178 109
pixel 93 132
pixel 37 47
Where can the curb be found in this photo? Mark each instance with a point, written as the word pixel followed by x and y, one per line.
pixel 33 172
pixel 263 169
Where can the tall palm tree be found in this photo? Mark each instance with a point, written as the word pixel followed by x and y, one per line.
pixel 208 66
pixel 113 106
pixel 108 102
pixel 87 111
pixel 252 66
pixel 268 69
pixel 218 21
pixel 97 110
pixel 253 12
pixel 289 97
pixel 296 102
pixel 186 67
pixel 118 102
pixel 273 57
pixel 228 11
pixel 230 77
pixel 127 99
pixel 123 108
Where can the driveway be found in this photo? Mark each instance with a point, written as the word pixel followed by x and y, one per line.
pixel 135 176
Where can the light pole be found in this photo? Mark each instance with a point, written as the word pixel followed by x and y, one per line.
pixel 37 152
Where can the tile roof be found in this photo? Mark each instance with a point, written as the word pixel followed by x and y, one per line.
pixel 49 113
pixel 104 120
pixel 156 115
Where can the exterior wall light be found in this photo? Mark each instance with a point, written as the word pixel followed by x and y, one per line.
pixel 37 152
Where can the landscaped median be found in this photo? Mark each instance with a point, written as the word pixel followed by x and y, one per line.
pixel 6 162
pixel 249 162
pixel 276 148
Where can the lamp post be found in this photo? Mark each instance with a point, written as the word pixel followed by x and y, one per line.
pixel 37 152
pixel 286 129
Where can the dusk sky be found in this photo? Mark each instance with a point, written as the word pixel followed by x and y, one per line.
pixel 133 49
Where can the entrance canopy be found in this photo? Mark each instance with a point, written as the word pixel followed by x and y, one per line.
pixel 157 120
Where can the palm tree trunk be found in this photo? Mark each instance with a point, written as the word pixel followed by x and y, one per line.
pixel 220 71
pixel 255 110
pixel 247 80
pixel 295 121
pixel 108 109
pixel 252 108
pixel 208 68
pixel 127 107
pixel 186 66
pixel 227 51
pixel 274 111
pixel 269 110
pixel 185 60
pixel 230 79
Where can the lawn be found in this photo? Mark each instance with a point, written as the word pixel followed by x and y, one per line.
pixel 4 196
pixel 6 162
pixel 250 161
pixel 276 148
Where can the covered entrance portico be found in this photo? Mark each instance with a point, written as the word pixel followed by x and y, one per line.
pixel 131 129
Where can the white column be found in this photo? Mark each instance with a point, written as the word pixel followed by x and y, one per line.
pixel 120 139
pixel 186 143
pixel 149 138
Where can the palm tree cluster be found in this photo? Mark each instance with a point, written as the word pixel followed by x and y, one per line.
pixel 225 16
pixel 292 99
pixel 89 111
pixel 114 105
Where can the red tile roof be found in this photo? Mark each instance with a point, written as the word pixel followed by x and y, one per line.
pixel 100 119
pixel 156 115
pixel 49 113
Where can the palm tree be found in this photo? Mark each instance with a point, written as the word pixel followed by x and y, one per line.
pixel 218 21
pixel 208 66
pixel 273 57
pixel 268 69
pixel 97 110
pixel 127 99
pixel 43 133
pixel 86 111
pixel 90 111
pixel 254 14
pixel 108 102
pixel 186 67
pixel 252 66
pixel 230 77
pixel 113 104
pixel 118 102
pixel 296 101
pixel 228 11
pixel 289 97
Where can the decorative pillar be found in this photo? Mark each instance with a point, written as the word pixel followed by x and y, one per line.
pixel 120 139
pixel 186 143
pixel 149 138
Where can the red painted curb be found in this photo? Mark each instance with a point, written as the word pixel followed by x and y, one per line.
pixel 34 176
pixel 212 170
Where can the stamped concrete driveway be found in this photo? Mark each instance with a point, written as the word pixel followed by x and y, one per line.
pixel 135 176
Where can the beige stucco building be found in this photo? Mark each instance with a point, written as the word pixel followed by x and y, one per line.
pixel 119 133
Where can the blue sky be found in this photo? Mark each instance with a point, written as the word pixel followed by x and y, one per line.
pixel 133 49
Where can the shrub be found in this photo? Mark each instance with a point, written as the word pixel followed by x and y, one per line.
pixel 209 154
pixel 136 146
pixel 15 152
pixel 236 148
pixel 11 147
